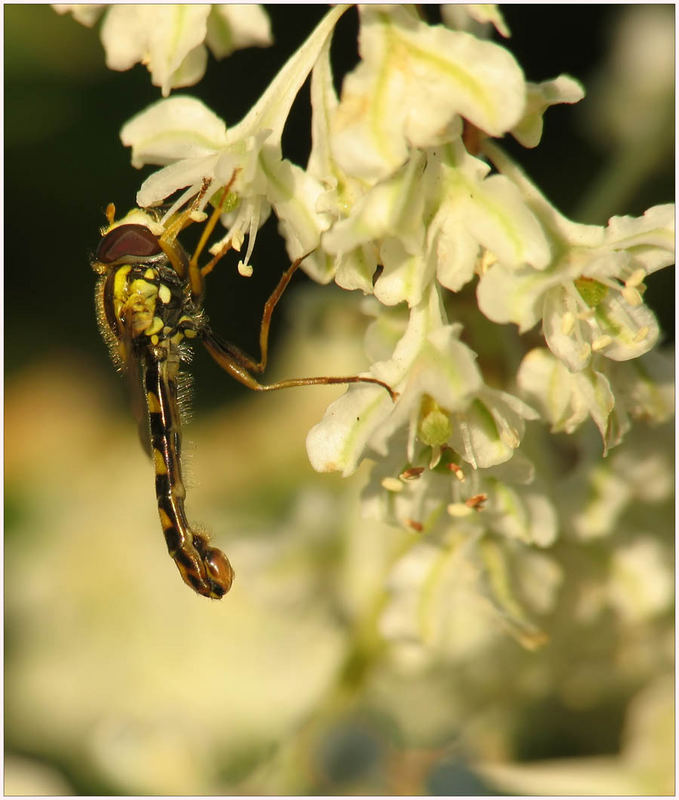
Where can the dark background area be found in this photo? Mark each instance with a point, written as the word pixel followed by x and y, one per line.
pixel 64 163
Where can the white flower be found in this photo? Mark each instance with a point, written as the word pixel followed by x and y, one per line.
pixel 434 602
pixel 429 220
pixel 450 597
pixel 608 392
pixel 195 144
pixel 413 84
pixel 565 398
pixel 489 431
pixel 429 360
pixel 169 39
pixel 429 491
pixel 442 401
pixel 641 582
pixel 589 295
pixel 401 189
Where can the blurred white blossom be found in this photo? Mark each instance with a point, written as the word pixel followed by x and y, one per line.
pixel 170 40
pixel 641 580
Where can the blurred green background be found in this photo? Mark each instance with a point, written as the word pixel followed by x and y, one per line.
pixel 117 679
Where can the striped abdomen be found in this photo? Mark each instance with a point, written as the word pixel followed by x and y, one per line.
pixel 204 568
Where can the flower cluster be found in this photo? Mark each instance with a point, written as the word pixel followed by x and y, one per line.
pixel 408 197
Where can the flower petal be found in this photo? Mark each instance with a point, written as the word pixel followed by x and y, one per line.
pixel 86 14
pixel 161 36
pixel 649 238
pixel 232 27
pixel 272 109
pixel 294 194
pixel 565 399
pixel 490 429
pixel 395 203
pixel 474 18
pixel 506 295
pixel 555 224
pixel 172 129
pixel 404 277
pixel 432 75
pixel 187 172
pixel 453 249
pixel 124 36
pixel 497 216
pixel 539 97
pixel 339 440
pixel 629 331
pixel 569 337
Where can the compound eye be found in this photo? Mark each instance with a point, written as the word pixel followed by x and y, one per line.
pixel 127 240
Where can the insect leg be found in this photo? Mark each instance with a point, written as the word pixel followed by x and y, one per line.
pixel 196 274
pixel 237 364
pixel 168 239
pixel 175 253
pixel 233 352
pixel 204 568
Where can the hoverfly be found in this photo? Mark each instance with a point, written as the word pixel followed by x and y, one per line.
pixel 149 303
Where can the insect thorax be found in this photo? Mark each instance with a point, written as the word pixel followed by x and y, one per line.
pixel 146 305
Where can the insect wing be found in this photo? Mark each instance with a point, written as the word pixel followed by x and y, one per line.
pixel 134 377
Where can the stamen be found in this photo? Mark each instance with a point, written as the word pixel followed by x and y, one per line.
pixel 411 474
pixel 485 262
pixel 237 240
pixel 601 342
pixel 436 452
pixel 233 240
pixel 476 502
pixel 567 323
pixel 456 469
pixel 252 235
pixel 636 278
pixel 632 296
pixel 392 484
pixel 459 510
pixel 183 199
pixel 585 313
